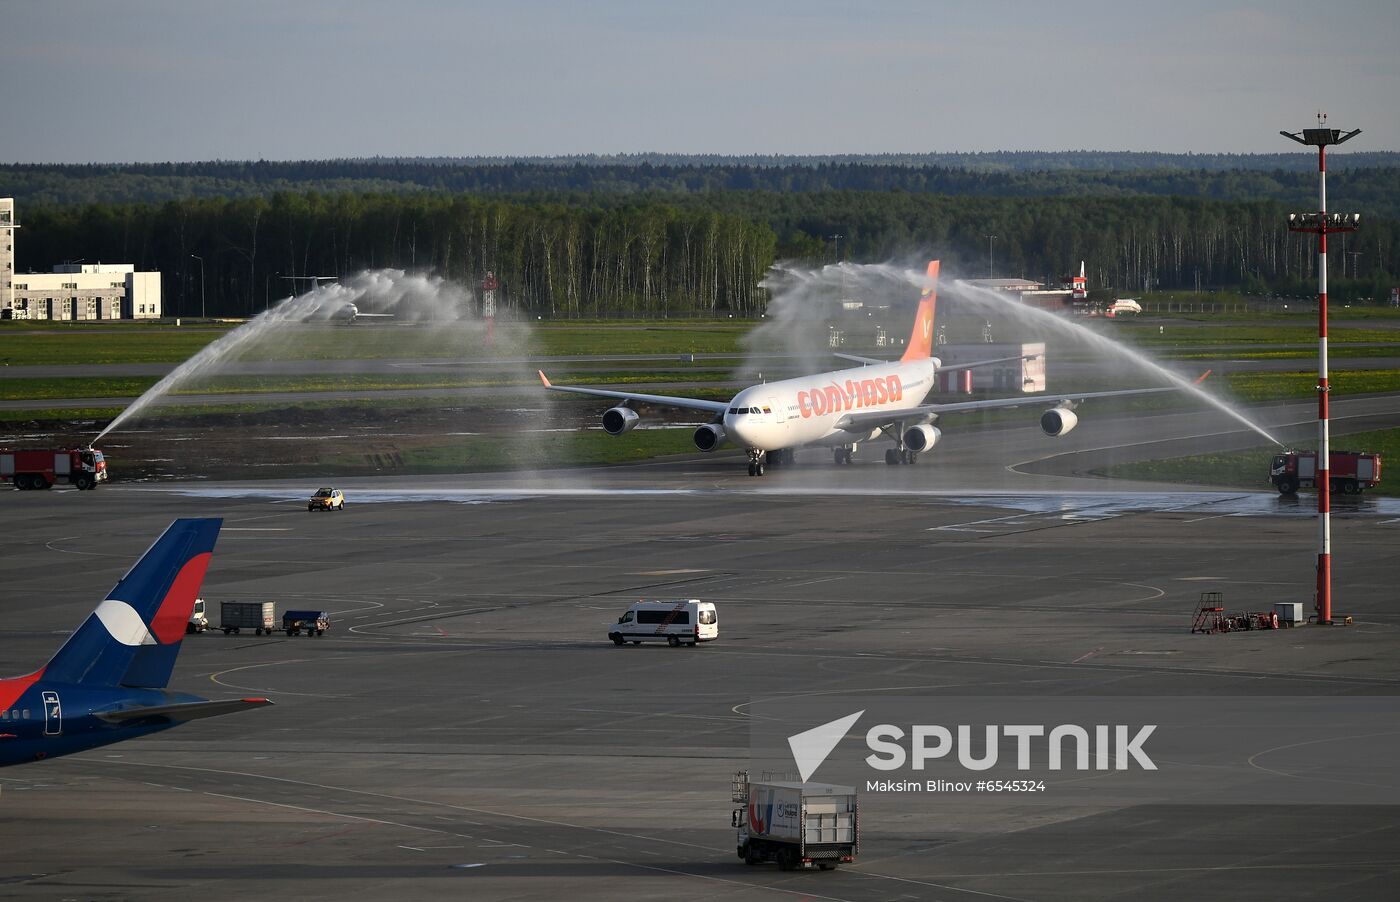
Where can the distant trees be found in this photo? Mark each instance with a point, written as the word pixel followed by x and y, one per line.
pixel 621 250
pixel 642 259
pixel 1368 180
pixel 1129 243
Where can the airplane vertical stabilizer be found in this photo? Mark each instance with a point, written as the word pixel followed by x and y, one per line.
pixel 133 636
pixel 1080 284
pixel 921 339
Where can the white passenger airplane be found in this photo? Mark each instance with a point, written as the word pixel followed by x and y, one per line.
pixel 841 409
pixel 348 313
pixel 329 311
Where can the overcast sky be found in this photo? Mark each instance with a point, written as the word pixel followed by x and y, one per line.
pixel 155 80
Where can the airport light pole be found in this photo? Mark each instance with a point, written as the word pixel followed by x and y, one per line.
pixel 1323 224
pixel 201 283
pixel 990 239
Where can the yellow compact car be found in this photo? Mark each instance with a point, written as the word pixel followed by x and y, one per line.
pixel 327 500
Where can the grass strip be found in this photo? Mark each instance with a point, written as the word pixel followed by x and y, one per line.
pixel 1249 468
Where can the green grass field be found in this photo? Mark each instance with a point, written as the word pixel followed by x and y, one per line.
pixel 1250 468
pixel 21 344
pixel 114 344
pixel 1152 335
pixel 62 387
pixel 1250 387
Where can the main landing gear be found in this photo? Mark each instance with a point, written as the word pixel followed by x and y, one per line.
pixel 843 455
pixel 783 457
pixel 896 456
pixel 900 453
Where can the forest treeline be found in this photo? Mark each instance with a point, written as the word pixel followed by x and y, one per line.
pixel 1368 182
pixel 699 253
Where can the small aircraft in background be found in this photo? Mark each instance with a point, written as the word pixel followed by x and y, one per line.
pixel 329 310
pixel 348 313
pixel 841 409
pixel 108 681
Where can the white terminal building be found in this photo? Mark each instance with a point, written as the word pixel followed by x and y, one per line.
pixel 73 291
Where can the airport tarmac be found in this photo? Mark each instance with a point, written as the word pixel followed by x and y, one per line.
pixel 466 731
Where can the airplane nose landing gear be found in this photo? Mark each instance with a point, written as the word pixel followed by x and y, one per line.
pixel 756 458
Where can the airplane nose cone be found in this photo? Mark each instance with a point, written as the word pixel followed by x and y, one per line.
pixel 742 431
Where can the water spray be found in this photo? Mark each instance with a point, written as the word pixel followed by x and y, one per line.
pixel 801 308
pixel 987 297
pixel 410 297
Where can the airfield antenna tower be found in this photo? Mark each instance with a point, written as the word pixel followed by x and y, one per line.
pixel 1322 224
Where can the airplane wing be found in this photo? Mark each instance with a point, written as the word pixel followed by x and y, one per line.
pixel 953 368
pixel 180 713
pixel 864 422
pixel 663 400
pixel 384 315
pixel 943 368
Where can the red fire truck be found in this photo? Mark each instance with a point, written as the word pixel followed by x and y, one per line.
pixel 1351 472
pixel 82 467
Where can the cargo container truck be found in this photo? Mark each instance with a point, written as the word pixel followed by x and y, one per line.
pixel 797 825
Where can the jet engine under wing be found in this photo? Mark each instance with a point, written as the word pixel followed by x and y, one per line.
pixel 182 712
pixel 864 422
pixel 664 400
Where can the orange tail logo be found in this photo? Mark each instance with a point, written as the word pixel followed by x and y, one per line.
pixel 921 340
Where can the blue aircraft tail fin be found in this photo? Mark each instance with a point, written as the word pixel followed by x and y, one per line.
pixel 133 636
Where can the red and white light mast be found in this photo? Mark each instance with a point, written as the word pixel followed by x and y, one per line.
pixel 1323 224
pixel 488 305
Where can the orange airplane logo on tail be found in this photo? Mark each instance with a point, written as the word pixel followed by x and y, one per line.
pixel 921 340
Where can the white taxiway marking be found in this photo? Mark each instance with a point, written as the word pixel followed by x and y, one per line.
pixel 1086 655
pixel 969 526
